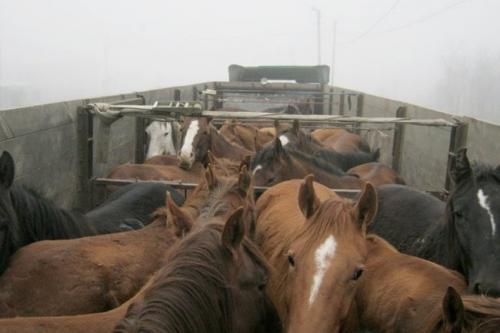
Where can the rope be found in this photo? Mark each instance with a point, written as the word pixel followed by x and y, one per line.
pixel 103 112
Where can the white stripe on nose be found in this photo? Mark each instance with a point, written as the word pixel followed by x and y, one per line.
pixel 484 202
pixel 187 148
pixel 323 257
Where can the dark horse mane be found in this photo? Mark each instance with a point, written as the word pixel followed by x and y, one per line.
pixel 37 219
pixel 191 293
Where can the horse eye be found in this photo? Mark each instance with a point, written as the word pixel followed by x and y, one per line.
pixel 459 214
pixel 166 133
pixel 357 273
pixel 263 284
pixel 291 260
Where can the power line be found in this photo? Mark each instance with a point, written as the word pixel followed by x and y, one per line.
pixel 374 25
pixel 425 18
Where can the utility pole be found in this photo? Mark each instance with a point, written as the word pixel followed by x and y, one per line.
pixel 318 32
pixel 334 51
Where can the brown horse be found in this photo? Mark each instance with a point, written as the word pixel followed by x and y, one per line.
pixel 245 135
pixel 401 293
pixel 317 248
pixel 275 164
pixel 95 274
pixel 256 308
pixel 162 160
pixel 156 171
pixel 214 283
pixel 198 137
pixel 341 140
pixel 376 173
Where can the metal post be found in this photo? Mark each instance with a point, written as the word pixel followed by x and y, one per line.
pixel 85 156
pixel 359 112
pixel 195 93
pixel 342 104
pixel 398 140
pixel 458 139
pixel 205 98
pixel 177 95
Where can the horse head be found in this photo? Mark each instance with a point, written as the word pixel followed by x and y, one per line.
pixel 473 220
pixel 161 139
pixel 195 141
pixel 326 259
pixel 248 277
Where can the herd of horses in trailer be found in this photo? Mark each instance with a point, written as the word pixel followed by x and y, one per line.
pixel 298 258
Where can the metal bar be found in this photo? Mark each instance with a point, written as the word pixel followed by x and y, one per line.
pixel 139 100
pixel 458 139
pixel 398 139
pixel 182 185
pixel 177 95
pixel 85 157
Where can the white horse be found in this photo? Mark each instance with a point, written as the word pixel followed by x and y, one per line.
pixel 163 138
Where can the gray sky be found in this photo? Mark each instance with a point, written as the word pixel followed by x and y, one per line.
pixel 443 54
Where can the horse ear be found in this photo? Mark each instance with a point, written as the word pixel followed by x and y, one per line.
pixel 7 170
pixel 234 230
pixel 210 157
pixel 182 221
pixel 244 180
pixel 296 127
pixel 308 201
pixel 453 310
pixel 366 206
pixel 245 162
pixel 210 177
pixel 249 215
pixel 460 166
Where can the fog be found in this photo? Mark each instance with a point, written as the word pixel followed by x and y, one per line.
pixel 443 54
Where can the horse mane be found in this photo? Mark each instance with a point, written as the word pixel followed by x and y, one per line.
pixel 191 293
pixel 485 173
pixel 317 161
pixel 42 219
pixel 335 218
pixel 216 205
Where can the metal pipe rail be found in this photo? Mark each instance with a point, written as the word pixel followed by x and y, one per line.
pixel 194 109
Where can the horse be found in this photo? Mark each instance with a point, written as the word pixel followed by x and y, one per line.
pixel 275 164
pixel 162 160
pixel 317 248
pixel 244 135
pixel 198 137
pixel 215 282
pixel 402 293
pixel 463 236
pixel 27 217
pixel 163 138
pixel 296 138
pixel 156 170
pixel 341 140
pixel 376 173
pixel 95 274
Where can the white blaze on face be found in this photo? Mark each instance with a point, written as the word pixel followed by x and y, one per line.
pixel 484 202
pixel 187 148
pixel 160 139
pixel 323 258
pixel 284 140
pixel 257 168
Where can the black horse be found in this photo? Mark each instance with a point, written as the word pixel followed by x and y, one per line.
pixel 26 217
pixel 462 235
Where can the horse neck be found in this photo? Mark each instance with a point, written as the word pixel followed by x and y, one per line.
pixel 320 175
pixel 220 147
pixel 40 219
pixel 436 246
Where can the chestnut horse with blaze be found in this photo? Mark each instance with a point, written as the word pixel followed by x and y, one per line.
pixel 317 246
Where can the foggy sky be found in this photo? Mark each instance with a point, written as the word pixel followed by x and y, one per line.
pixel 443 54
